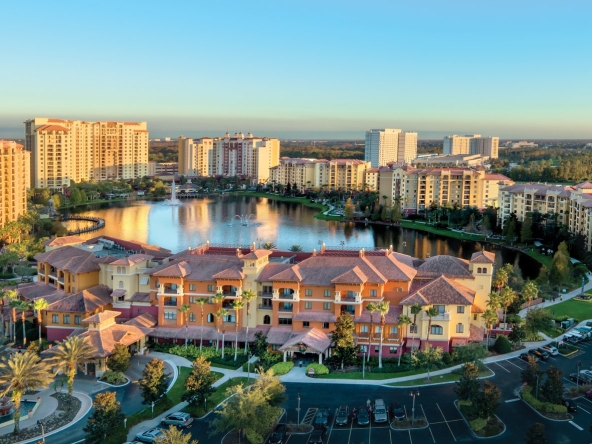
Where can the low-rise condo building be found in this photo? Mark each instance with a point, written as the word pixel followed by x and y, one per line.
pixel 471 144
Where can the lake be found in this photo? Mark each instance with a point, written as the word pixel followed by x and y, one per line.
pixel 284 224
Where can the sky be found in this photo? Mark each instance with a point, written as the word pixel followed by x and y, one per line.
pixel 302 69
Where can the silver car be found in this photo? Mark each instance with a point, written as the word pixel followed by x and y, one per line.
pixel 178 419
pixel 149 435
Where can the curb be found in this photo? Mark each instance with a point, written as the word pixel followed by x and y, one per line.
pixel 175 375
pixel 541 415
pixel 434 384
pixel 427 426
pixel 472 431
pixel 115 386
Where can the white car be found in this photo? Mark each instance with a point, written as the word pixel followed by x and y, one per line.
pixel 149 435
pixel 550 349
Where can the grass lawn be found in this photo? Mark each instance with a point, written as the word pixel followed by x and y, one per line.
pixel 448 377
pixel 536 254
pixel 441 231
pixel 579 310
pixel 227 367
pixel 372 376
pixel 217 397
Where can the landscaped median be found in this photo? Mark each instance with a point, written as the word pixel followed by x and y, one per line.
pixel 213 356
pixel 556 412
pixel 439 379
pixel 489 427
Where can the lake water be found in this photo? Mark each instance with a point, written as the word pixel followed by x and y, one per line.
pixel 284 224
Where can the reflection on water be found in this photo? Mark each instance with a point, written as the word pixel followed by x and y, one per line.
pixel 284 224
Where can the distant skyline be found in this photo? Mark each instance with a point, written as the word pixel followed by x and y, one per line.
pixel 304 70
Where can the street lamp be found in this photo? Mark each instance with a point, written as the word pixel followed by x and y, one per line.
pixel 579 366
pixel 413 393
pixel 40 423
pixel 298 410
pixel 364 364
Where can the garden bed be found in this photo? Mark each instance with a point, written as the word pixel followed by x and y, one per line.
pixel 406 424
pixel 555 412
pixel 491 427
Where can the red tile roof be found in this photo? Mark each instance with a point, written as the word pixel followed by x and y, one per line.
pixel 439 291
pixel 69 258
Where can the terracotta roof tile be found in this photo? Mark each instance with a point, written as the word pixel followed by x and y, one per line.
pixel 314 316
pixel 353 276
pixel 101 317
pixel 62 241
pixel 84 301
pixel 448 266
pixel 440 291
pixel 69 258
pixel 257 254
pixel 483 257
pixel 314 338
pixel 132 260
pixel 229 273
pixel 140 297
pixel 145 320
pixel 38 290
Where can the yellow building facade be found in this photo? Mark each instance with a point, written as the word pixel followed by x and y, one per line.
pixel 14 180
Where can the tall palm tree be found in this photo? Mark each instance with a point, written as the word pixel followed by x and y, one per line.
pixel 23 307
pixel 371 308
pixel 499 279
pixel 12 296
pixel 184 310
pixel 201 302
pixel 69 356
pixel 39 304
pixel 238 305
pixel 220 320
pixel 247 297
pixel 218 299
pixel 530 291
pixel 383 309
pixel 403 322
pixel 490 318
pixel 430 312
pixel 507 296
pixel 415 310
pixel 18 374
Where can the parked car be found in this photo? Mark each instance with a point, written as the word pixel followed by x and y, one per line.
pixel 570 404
pixel 342 415
pixel 589 394
pixel 380 413
pixel 322 417
pixel 542 355
pixel 278 435
pixel 149 435
pixel 362 416
pixel 550 349
pixel 178 419
pixel 397 411
pixel 525 356
pixel 317 436
pixel 582 378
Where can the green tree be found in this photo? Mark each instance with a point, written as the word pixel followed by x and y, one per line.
pixel 531 375
pixel 220 315
pixel 472 352
pixel 295 248
pixel 184 310
pixel 517 335
pixel 23 307
pixel 153 383
pixel 39 305
pixel 415 310
pixel 247 297
pixel 530 292
pixel 559 271
pixel 75 196
pixel 536 434
pixel 383 309
pixel 371 308
pixel 507 296
pixel 500 278
pixel 467 387
pixel 174 435
pixel 427 358
pixel 510 230
pixel 526 235
pixel 119 361
pixel 57 201
pixel 238 306
pixel 553 388
pixel 260 346
pixel 268 246
pixel 69 356
pixel 198 385
pixel 431 313
pixel 345 348
pixel 537 319
pixel 106 418
pixel 20 373
pixel 348 210
pixel 502 345
pixel 201 302
pixel 487 401
pixel 402 322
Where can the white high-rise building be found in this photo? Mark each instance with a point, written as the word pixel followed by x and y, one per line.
pixel 390 145
pixel 195 156
pixel 472 144
pixel 407 150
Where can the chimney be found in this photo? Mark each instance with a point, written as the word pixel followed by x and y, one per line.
pixel 238 252
pixel 361 253
pixel 323 248
pixel 207 245
pixel 253 246
pixel 314 252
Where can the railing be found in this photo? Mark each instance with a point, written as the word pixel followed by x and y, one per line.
pixel 265 307
pixel 441 317
pixel 285 309
pixel 264 295
pixel 170 304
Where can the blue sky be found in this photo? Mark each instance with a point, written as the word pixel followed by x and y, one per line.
pixel 305 69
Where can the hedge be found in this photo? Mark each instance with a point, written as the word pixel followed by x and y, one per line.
pixel 281 368
pixel 319 369
pixel 478 424
pixel 192 352
pixel 540 405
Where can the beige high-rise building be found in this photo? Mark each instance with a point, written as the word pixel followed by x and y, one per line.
pixel 458 144
pixel 14 180
pixel 472 144
pixel 65 150
pixel 390 145
pixel 407 149
pixel 194 156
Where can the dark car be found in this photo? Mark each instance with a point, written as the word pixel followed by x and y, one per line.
pixel 525 356
pixel 539 354
pixel 278 435
pixel 362 416
pixel 317 436
pixel 582 378
pixel 322 417
pixel 342 415
pixel 397 411
pixel 570 404
pixel 589 394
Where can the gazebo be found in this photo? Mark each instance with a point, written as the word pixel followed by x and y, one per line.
pixel 311 341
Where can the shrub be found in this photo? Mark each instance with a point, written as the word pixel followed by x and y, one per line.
pixel 112 377
pixel 478 424
pixel 462 403
pixel 319 369
pixel 540 405
pixel 447 358
pixel 502 345
pixel 281 368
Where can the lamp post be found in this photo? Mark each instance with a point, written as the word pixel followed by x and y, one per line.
pixel 583 281
pixel 40 423
pixel 579 366
pixel 364 364
pixel 413 393
pixel 298 410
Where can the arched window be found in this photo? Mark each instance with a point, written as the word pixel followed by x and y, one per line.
pixel 266 320
pixel 478 270
pixel 210 317
pixel 460 328
pixel 436 330
pixel 413 328
pixel 120 284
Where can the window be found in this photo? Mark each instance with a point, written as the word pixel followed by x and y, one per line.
pixel 460 328
pixel 364 329
pixel 460 309
pixel 193 300
pixel 120 284
pixel 54 319
pixel 191 287
pixel 77 319
pixel 275 347
pixel 210 288
pixel 327 293
pixel 168 314
pixel 440 309
pixel 230 318
pixel 376 349
pixel 308 305
pixel 285 321
pixel 144 280
pixel 327 306
pixel 373 293
pixel 399 289
pixel 66 319
pixel 308 292
pixel 305 324
pixel 191 317
pixel 413 328
pixel 266 320
pixel 73 278
pixel 325 325
pixel 394 330
pixel 436 330
pixel 363 348
pixel 393 350
pixel 474 317
pixel 479 270
pixel 120 270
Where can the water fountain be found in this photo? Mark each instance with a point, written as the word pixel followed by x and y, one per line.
pixel 244 219
pixel 173 201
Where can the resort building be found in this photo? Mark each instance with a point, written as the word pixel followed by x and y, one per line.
pixel 64 150
pixel 196 158
pixel 449 160
pixel 14 180
pixel 68 268
pixel 163 169
pixel 390 145
pixel 471 144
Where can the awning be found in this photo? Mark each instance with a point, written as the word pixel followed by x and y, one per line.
pixel 413 343
pixel 458 342
pixel 314 339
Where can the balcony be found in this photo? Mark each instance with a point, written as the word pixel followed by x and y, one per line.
pixel 277 296
pixel 168 290
pixel 262 294
pixel 170 303
pixel 264 307
pixel 441 317
pixel 285 308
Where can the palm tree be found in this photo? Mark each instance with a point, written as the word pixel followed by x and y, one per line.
pixel 218 299
pixel 383 309
pixel 415 310
pixel 69 355
pixel 371 307
pixel 268 246
pixel 12 296
pixel 403 322
pixel 431 312
pixel 184 309
pixel 238 305
pixel 22 306
pixel 295 248
pixel 201 302
pixel 220 320
pixel 18 374
pixel 247 297
pixel 507 296
pixel 490 318
pixel 499 279
pixel 530 291
pixel 39 304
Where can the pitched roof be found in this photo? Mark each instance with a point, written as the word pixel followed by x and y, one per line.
pixel 63 241
pixel 200 267
pixel 314 316
pixel 132 260
pixel 229 273
pixel 257 254
pixel 439 291
pixel 209 333
pixel 176 269
pixel 448 266
pixel 483 257
pixel 69 258
pixel 84 301
pixel 477 334
pixel 278 335
pixel 38 290
pixel 140 297
pixel 353 276
pixel 145 320
pixel 313 338
pixel 270 270
pixel 104 341
pixel 101 317
pixel 392 317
